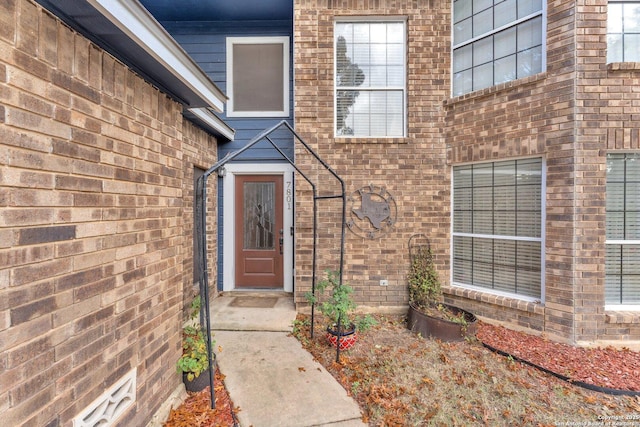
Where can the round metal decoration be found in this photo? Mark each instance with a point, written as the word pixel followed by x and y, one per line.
pixel 371 211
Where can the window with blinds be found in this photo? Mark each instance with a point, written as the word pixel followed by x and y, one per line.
pixel 498 226
pixel 370 79
pixel 622 258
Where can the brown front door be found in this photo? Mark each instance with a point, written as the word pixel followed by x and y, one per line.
pixel 258 234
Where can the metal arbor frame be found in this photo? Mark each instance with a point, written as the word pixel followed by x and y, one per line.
pixel 201 225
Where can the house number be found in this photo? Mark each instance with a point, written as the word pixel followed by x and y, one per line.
pixel 289 195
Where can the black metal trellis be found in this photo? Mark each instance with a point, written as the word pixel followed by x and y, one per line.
pixel 203 277
pixel 201 225
pixel 418 243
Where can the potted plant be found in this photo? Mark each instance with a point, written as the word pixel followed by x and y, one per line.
pixel 195 356
pixel 428 314
pixel 339 308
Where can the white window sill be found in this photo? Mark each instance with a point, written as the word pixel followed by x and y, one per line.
pixel 370 140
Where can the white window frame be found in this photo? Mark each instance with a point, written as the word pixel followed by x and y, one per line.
pixel 543 66
pixel 541 239
pixel 284 41
pixel 372 19
pixel 617 242
pixel 623 33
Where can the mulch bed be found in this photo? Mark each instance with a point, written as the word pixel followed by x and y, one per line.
pixel 196 410
pixel 608 368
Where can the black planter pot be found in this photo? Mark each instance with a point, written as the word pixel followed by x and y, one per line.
pixel 442 329
pixel 199 383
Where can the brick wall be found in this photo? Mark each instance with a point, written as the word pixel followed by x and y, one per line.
pixel 413 170
pixel 95 233
pixel 569 115
pixel 199 151
pixel 533 116
pixel 608 121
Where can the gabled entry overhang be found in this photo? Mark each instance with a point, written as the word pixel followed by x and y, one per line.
pixel 129 32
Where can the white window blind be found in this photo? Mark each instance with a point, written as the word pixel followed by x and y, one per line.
pixel 497 226
pixel 370 79
pixel 622 258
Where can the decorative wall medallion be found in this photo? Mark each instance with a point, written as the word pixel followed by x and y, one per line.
pixel 372 211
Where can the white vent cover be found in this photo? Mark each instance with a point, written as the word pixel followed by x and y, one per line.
pixel 106 409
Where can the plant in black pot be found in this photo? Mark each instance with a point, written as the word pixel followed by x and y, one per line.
pixel 428 314
pixel 195 356
pixel 339 309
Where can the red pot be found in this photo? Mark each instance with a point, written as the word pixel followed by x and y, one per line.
pixel 347 338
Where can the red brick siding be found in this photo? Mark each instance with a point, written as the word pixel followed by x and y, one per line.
pixel 608 121
pixel 199 150
pixel 95 236
pixel 413 170
pixel 569 115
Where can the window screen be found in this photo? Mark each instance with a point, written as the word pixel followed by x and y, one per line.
pixel 258 77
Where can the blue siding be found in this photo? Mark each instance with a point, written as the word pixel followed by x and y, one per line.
pixel 206 44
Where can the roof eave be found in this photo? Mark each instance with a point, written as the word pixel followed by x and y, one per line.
pixel 125 29
pixel 141 27
pixel 205 118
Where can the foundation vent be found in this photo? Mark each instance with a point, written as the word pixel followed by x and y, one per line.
pixel 106 409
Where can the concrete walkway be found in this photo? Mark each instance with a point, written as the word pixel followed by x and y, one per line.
pixel 269 376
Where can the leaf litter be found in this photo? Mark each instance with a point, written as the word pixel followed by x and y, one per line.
pixel 401 379
pixel 196 410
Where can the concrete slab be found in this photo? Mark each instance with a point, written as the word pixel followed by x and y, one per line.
pixel 275 382
pixel 242 311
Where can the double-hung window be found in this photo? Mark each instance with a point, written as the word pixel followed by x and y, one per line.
pixel 623 229
pixel 498 227
pixel 623 31
pixel 495 41
pixel 370 78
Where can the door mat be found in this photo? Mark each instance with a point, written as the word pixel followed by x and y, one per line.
pixel 254 302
